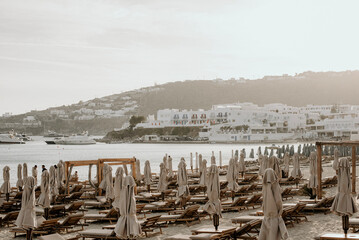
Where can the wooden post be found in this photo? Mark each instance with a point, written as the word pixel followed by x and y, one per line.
pixel 319 170
pixel 354 176
pixel 134 172
pixel 99 176
pixel 67 176
pixel 197 165
pixel 191 161
pixel 220 159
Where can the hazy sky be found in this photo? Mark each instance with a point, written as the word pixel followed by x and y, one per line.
pixel 55 52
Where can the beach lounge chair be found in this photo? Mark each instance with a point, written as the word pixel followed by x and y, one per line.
pixel 74 207
pixel 150 224
pixel 314 206
pixel 190 214
pixel 97 234
pixel 76 188
pixel 242 190
pixel 70 222
pixel 44 227
pixel 287 193
pixel 6 219
pixel 254 200
pixel 354 224
pixel 202 236
pixel 75 196
pixel 249 230
pixel 99 202
pixel 330 182
pixel 237 205
pixel 111 215
pixel 54 236
pixel 159 206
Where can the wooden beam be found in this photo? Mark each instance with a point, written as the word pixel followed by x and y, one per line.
pixel 353 169
pixel 319 171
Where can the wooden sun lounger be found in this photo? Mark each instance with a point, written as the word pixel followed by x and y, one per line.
pixel 321 206
pixel 111 215
pixel 54 236
pixel 253 201
pixel 97 234
pixel 354 224
pixel 6 219
pixel 44 227
pixel 287 193
pixel 188 215
pixel 249 230
pixel 237 205
pixel 71 222
pixel 74 207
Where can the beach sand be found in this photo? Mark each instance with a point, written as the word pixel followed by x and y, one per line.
pixel 317 224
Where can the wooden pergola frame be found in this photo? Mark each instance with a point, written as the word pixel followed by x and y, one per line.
pixel 319 145
pixel 100 163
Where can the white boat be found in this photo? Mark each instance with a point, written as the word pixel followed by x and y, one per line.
pixel 75 140
pixel 7 138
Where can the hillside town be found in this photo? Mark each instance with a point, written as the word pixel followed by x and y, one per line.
pixel 242 122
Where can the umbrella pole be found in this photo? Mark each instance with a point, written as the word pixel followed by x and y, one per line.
pixel 29 234
pixel 7 196
pixel 233 194
pixel 163 196
pixel 20 189
pixel 148 188
pixel 345 221
pixel 216 221
pixel 46 211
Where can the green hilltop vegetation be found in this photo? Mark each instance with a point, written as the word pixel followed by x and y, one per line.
pixel 112 111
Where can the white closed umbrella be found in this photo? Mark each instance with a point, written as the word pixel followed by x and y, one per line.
pixel 20 182
pixel 241 164
pixel 344 203
pixel 169 167
pixel 107 182
pixel 127 225
pixel 118 187
pixel 274 164
pixel 213 160
pixel 34 173
pixel 203 174
pixel 199 161
pixel 313 179
pixel 296 172
pixel 54 191
pixel 44 199
pixel 165 161
pixel 213 206
pixel 60 175
pixel 162 181
pixel 262 163
pixel 147 175
pixel 232 176
pixel 27 215
pixel 138 170
pixel 286 163
pixel 182 181
pixel 5 187
pixel 336 159
pixel 191 162
pixel 273 226
pixel 24 169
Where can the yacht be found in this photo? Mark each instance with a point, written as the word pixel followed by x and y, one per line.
pixel 82 139
pixel 10 139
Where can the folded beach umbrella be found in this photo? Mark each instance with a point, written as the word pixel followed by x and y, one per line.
pixel 147 173
pixel 182 180
pixel 5 187
pixel 213 206
pixel 200 161
pixel 296 173
pixel 44 199
pixel 24 170
pixel 34 174
pixel 262 164
pixel 128 227
pixel 203 174
pixel 274 164
pixel 336 159
pixel 344 203
pixel 107 182
pixel 125 170
pixel 60 174
pixel 273 226
pixel 213 160
pixel 286 163
pixel 118 187
pixel 232 176
pixel 27 215
pixel 138 170
pixel 313 179
pixel 20 182
pixel 241 165
pixel 162 181
pixel 165 161
pixel 191 161
pixel 54 191
pixel 169 167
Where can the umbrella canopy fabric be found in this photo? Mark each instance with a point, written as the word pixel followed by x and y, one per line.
pixel 242 165
pixel 274 164
pixel 24 169
pixel 203 173
pixel 344 203
pixel 213 206
pixel 147 173
pixel 232 176
pixel 162 181
pixel 273 226
pixel 296 173
pixel 313 179
pixel 5 187
pixel 20 181
pixel 286 163
pixel 169 167
pixel 165 161
pixel 127 225
pixel 107 181
pixel 336 159
pixel 60 174
pixel 54 191
pixel 200 161
pixel 182 180
pixel 261 164
pixel 34 174
pixel 138 170
pixel 125 170
pixel 118 187
pixel 45 197
pixel 27 215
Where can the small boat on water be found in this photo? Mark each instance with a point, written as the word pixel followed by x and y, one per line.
pixel 52 134
pixel 82 139
pixel 8 138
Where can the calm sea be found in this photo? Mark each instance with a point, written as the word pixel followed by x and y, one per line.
pixel 39 153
